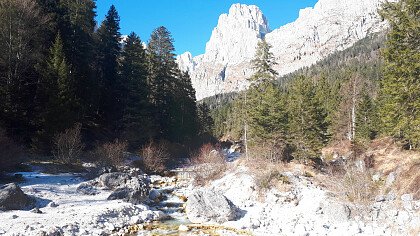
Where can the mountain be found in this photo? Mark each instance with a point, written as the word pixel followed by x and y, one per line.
pixel 330 26
pixel 363 57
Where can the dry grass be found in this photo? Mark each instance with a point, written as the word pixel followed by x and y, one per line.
pixel 68 145
pixel 267 164
pixel 154 158
pixel 111 154
pixel 391 157
pixel 271 151
pixel 357 185
pixel 209 164
pixel 381 156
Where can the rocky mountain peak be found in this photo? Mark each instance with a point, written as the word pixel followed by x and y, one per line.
pixel 329 26
pixel 236 35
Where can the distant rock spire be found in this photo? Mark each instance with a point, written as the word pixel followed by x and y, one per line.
pixel 236 35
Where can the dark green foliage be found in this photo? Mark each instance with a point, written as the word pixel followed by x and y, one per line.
pixel 400 86
pixel 75 21
pixel 307 119
pixel 57 70
pixel 136 124
pixel 328 95
pixel 266 112
pixel 183 110
pixel 205 120
pixel 162 75
pixel 366 119
pixel 58 88
pixel 22 50
pixel 108 38
pixel 172 94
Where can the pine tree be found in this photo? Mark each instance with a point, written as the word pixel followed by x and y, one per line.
pixel 206 122
pixel 400 86
pixel 75 21
pixel 366 118
pixel 62 107
pixel 307 126
pixel 163 72
pixel 108 39
pixel 265 114
pixel 136 124
pixel 184 110
pixel 263 63
pixel 328 95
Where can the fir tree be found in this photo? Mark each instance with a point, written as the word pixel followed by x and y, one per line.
pixel 61 109
pixel 266 117
pixel 366 118
pixel 137 126
pixel 183 110
pixel 266 111
pixel 307 126
pixel 163 72
pixel 206 122
pixel 263 63
pixel 75 20
pixel 400 86
pixel 108 39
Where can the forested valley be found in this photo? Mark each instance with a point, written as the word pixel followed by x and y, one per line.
pixel 64 79
pixel 101 133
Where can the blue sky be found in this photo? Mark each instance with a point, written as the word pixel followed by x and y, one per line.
pixel 192 21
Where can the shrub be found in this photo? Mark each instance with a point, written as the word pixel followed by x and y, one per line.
pixel 209 163
pixel 68 145
pixel 11 154
pixel 273 151
pixel 269 178
pixel 111 153
pixel 154 157
pixel 356 184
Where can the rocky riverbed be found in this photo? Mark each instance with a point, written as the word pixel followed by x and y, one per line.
pixel 131 203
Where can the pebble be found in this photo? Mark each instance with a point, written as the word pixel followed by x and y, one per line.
pixel 380 198
pixel 36 210
pixel 183 228
pixel 52 204
pixel 406 197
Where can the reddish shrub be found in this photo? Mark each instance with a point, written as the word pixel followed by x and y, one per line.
pixel 111 154
pixel 154 157
pixel 209 163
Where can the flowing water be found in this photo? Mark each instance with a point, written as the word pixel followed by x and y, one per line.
pixel 172 203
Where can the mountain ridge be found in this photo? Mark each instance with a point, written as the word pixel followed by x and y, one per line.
pixel 330 26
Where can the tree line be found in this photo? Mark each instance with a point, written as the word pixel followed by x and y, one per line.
pixel 59 69
pixel 367 91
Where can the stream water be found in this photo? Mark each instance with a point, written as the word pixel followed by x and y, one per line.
pixel 172 202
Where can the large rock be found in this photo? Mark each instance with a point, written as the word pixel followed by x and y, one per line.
pixel 113 180
pixel 239 187
pixel 335 211
pixel 87 188
pixel 13 198
pixel 135 190
pixel 209 205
